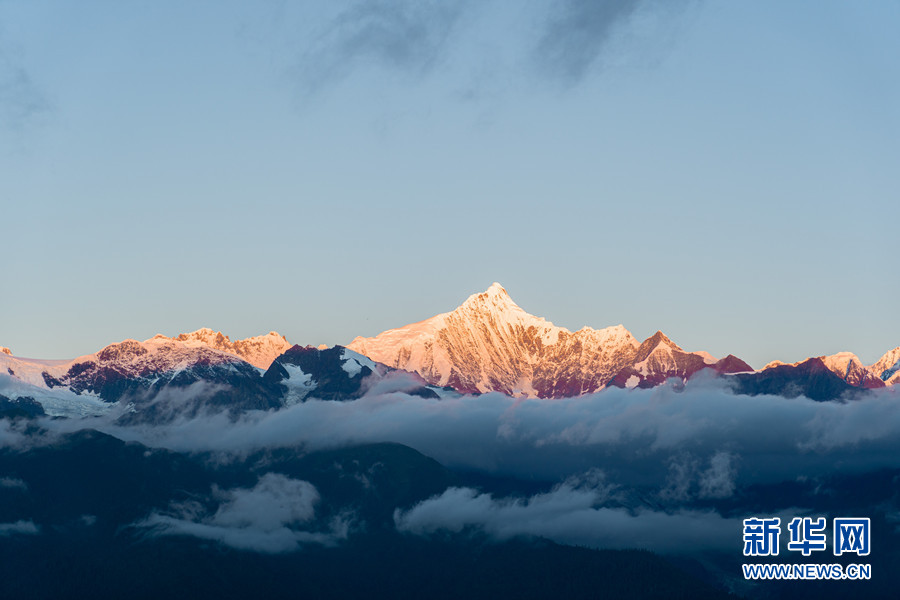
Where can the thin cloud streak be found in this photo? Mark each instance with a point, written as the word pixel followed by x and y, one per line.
pixel 578 33
pixel 408 36
pixel 264 518
pixel 558 42
pixel 19 528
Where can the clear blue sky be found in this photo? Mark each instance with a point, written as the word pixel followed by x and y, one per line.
pixel 725 172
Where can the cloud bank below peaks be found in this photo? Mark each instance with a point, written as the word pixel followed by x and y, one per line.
pixel 714 438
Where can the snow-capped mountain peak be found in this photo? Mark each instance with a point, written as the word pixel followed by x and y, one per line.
pixel 494 290
pixel 841 363
pixel 128 368
pixel 658 359
pixel 887 368
pixel 495 296
pixel 353 362
pixel 489 343
pixel 848 367
pixel 5 350
pixel 131 366
pixel 259 351
pixel 496 304
pixel 658 342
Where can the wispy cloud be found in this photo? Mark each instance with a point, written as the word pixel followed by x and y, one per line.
pixel 404 35
pixel 13 484
pixel 479 42
pixel 19 527
pixel 688 478
pixel 16 434
pixel 266 518
pixel 578 32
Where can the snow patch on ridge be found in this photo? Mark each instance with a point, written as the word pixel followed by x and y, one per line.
pixel 259 351
pixel 707 357
pixel 58 402
pixel 353 362
pixel 299 384
pixel 848 367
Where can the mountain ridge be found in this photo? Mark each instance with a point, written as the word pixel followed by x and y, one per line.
pixel 489 343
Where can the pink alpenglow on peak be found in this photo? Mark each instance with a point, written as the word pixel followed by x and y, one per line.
pixel 887 368
pixel 259 351
pixel 490 344
pixel 658 359
pixel 848 367
pixel 5 350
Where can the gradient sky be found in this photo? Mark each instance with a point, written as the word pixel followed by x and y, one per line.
pixel 725 172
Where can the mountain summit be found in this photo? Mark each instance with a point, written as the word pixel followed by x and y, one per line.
pixel 887 368
pixel 490 344
pixel 259 351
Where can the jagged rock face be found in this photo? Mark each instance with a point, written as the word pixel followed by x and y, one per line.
pixel 138 371
pixel 848 367
pixel 259 351
pixel 581 362
pixel 161 379
pixel 888 367
pixel 658 358
pixel 156 380
pixel 130 367
pixel 810 378
pixel 490 344
pixel 328 374
pixel 302 371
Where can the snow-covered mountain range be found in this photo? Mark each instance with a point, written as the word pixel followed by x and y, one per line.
pixel 849 368
pixel 490 344
pixel 204 366
pixel 487 344
pixel 887 368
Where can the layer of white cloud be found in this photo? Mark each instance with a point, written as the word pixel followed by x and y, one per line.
pixel 19 527
pixel 571 513
pixel 634 435
pixel 702 442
